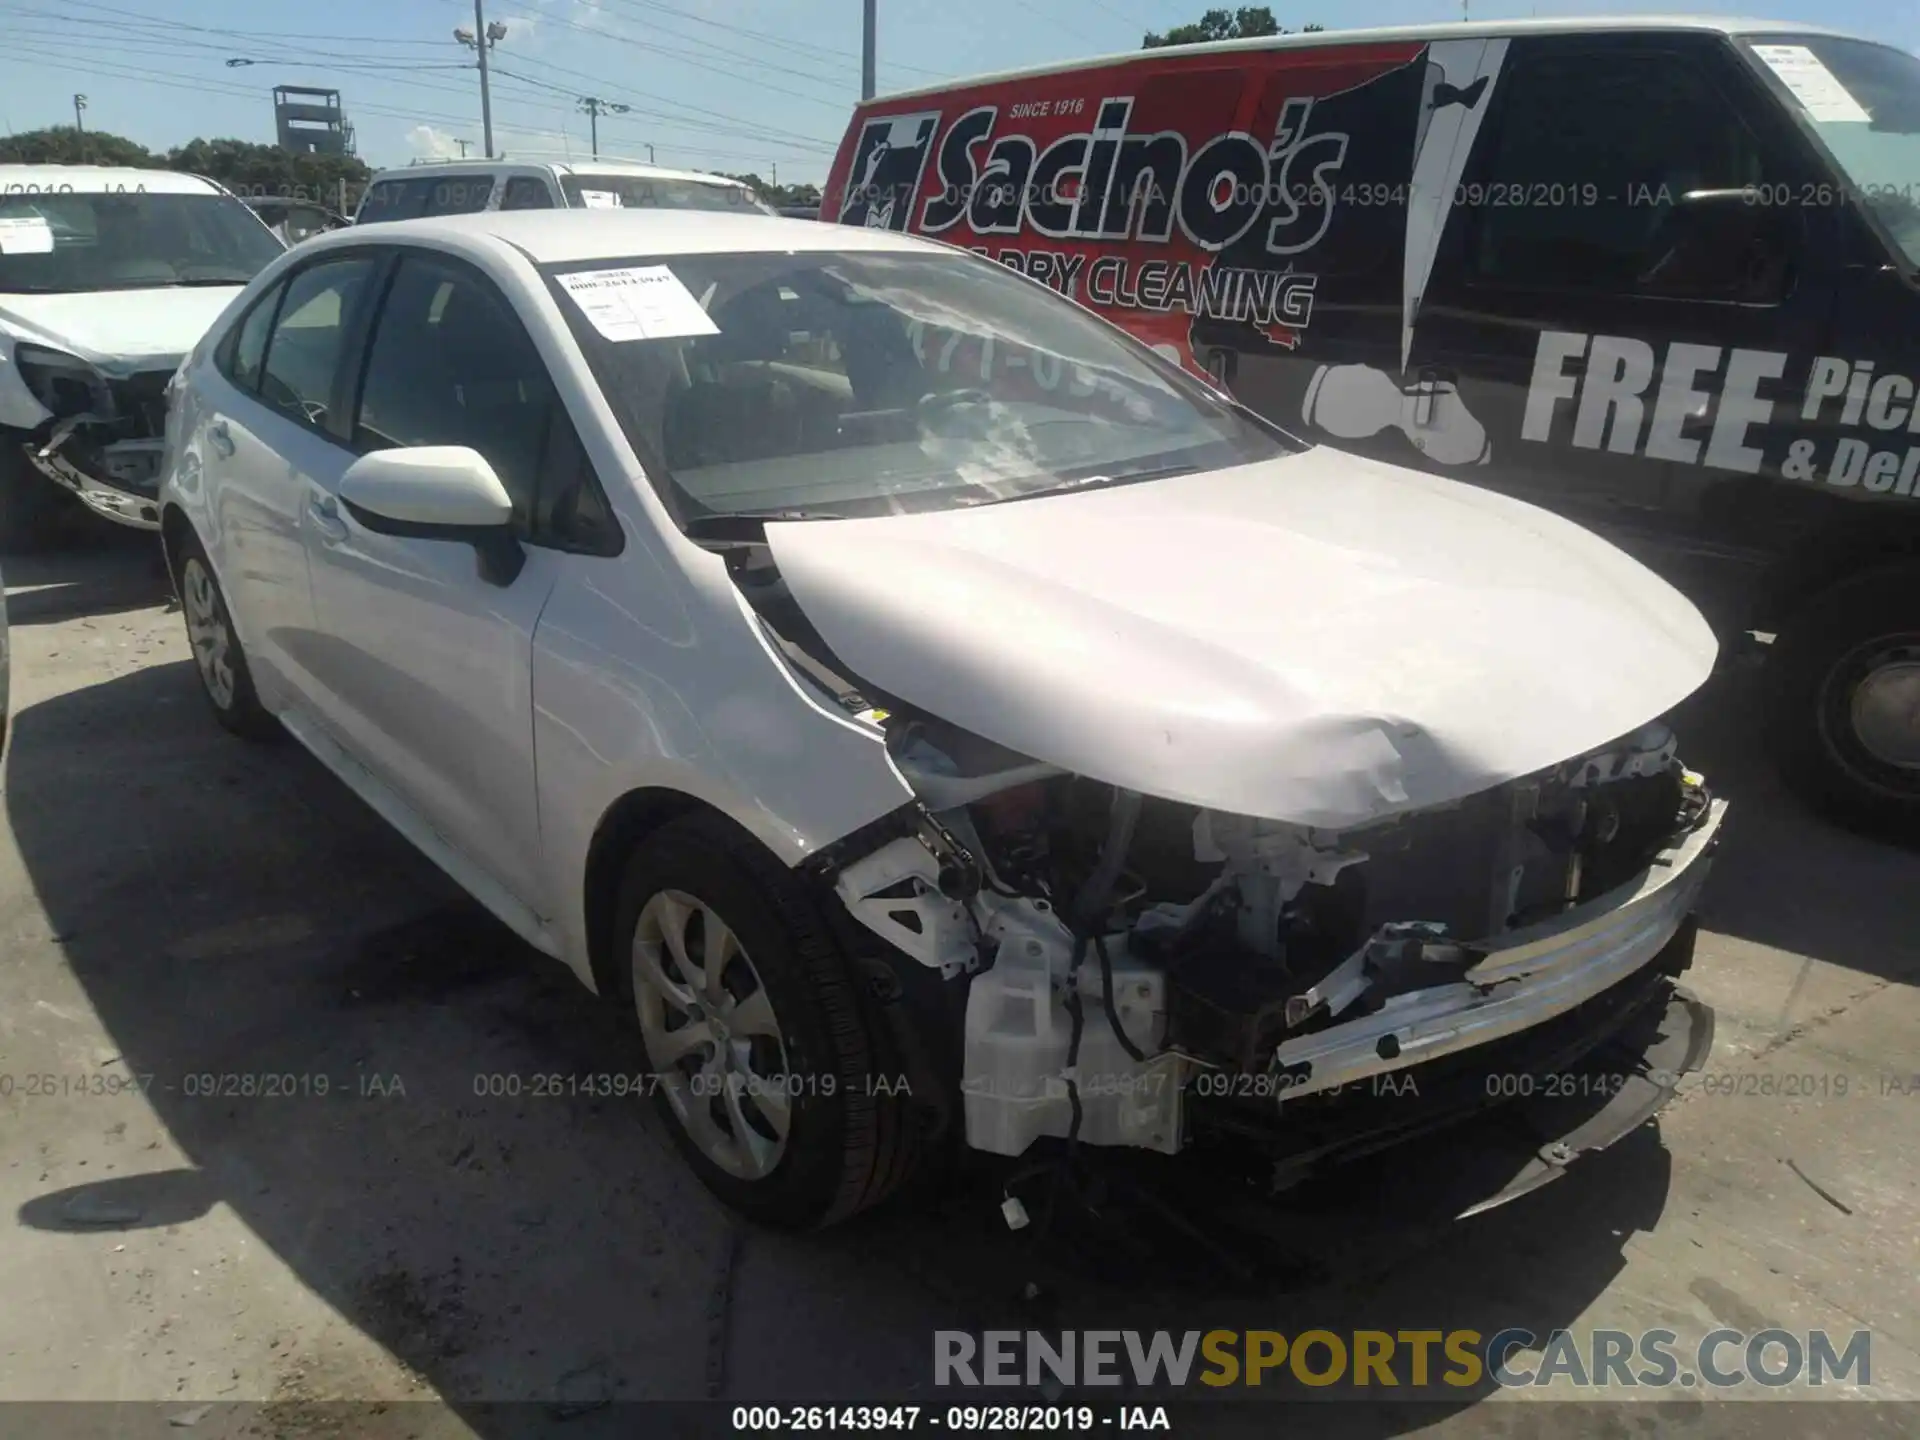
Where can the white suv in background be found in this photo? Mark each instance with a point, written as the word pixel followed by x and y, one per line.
pixel 460 187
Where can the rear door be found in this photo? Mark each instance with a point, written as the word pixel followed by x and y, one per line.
pixel 269 433
pixel 1615 310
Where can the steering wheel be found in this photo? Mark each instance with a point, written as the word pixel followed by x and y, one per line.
pixel 935 401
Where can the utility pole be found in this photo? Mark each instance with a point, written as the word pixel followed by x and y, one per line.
pixel 482 38
pixel 866 49
pixel 595 108
pixel 79 105
pixel 649 154
pixel 463 144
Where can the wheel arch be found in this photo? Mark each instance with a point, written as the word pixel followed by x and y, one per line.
pixel 1830 558
pixel 175 530
pixel 624 824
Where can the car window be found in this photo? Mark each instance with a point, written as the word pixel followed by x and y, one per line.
pixel 303 356
pixel 245 347
pixel 450 364
pixel 1616 172
pixel 408 197
pixel 526 192
pixel 652 192
pixel 864 382
pixel 131 240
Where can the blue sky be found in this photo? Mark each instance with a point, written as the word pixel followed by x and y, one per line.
pixel 712 84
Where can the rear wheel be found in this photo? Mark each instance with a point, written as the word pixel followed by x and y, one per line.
pixel 222 665
pixel 1845 709
pixel 753 1025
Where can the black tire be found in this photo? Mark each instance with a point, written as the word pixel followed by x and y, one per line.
pixel 1866 626
pixel 849 1143
pixel 35 514
pixel 235 703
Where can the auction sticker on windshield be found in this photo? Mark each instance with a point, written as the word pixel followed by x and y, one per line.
pixel 1812 84
pixel 25 235
pixel 645 302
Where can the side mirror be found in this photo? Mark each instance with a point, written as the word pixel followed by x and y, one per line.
pixel 437 492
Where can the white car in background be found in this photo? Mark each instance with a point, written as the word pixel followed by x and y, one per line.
pixel 461 187
pixel 932 718
pixel 107 278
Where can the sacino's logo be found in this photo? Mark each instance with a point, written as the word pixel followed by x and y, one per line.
pixel 887 164
pixel 1114 182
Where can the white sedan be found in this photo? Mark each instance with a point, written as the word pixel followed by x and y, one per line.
pixel 934 719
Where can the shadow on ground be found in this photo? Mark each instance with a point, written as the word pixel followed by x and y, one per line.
pixel 436 1169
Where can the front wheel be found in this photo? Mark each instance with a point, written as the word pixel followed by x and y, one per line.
pixel 1845 711
pixel 764 1063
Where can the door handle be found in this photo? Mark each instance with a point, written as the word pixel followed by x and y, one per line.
pixel 221 438
pixel 324 511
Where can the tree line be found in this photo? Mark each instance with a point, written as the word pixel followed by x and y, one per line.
pixel 1242 24
pixel 243 166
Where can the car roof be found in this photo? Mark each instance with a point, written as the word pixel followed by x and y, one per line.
pixel 564 236
pixel 1471 30
pixel 632 168
pixel 83 179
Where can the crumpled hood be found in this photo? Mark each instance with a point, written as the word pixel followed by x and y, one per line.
pixel 1319 638
pixel 121 331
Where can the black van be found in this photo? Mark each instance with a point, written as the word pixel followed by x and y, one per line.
pixel 1662 276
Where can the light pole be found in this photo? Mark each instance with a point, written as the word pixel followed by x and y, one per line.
pixel 866 49
pixel 482 38
pixel 595 108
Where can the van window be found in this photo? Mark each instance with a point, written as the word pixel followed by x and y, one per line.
pixel 408 197
pixel 1586 180
pixel 1863 102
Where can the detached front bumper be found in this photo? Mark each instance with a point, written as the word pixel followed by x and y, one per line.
pixel 130 493
pixel 1537 973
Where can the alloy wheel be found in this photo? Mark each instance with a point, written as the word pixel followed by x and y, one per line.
pixel 711 1034
pixel 208 631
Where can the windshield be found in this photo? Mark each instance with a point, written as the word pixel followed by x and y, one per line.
pixel 1863 101
pixel 69 243
pixel 828 385
pixel 638 192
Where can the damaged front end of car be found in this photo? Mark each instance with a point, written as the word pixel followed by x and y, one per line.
pixel 1133 972
pixel 104 435
pixel 1141 973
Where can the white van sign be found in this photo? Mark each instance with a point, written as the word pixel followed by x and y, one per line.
pixel 1630 399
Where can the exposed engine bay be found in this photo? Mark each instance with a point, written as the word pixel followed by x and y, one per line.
pixel 1127 958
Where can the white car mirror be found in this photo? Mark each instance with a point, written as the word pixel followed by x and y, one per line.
pixel 427 487
pixel 437 492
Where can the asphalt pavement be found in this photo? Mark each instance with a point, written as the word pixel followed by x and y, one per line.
pixel 397 1207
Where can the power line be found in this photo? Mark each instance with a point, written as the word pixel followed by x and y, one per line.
pixel 322 61
pixel 798 47
pixel 693 58
pixel 61 61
